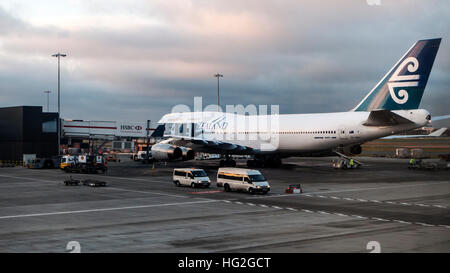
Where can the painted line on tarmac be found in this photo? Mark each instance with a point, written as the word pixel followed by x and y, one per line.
pixel 402 222
pixel 381 188
pixel 141 179
pixel 30 178
pixel 147 192
pixel 371 201
pixel 342 215
pixel 204 192
pixel 323 212
pixel 423 224
pixel 312 194
pixel 380 219
pixel 107 188
pixel 104 209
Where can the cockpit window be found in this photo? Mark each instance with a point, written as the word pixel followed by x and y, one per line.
pixel 199 173
pixel 257 178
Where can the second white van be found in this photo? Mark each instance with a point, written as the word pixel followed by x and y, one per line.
pixel 237 179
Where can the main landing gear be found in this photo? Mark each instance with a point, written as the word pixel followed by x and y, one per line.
pixel 228 162
pixel 264 162
pixel 257 162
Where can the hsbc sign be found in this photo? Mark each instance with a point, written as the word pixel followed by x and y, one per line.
pixel 131 129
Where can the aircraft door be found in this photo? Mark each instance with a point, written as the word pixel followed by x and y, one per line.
pixel 343 133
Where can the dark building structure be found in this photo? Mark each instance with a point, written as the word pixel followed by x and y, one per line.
pixel 27 130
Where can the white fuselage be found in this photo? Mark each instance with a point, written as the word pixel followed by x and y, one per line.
pixel 302 133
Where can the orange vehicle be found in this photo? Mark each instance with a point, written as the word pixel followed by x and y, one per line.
pixel 112 158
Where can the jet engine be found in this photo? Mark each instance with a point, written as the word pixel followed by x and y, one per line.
pixel 354 150
pixel 187 153
pixel 165 152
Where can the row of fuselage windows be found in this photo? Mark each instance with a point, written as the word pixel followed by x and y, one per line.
pixel 280 133
pixel 230 177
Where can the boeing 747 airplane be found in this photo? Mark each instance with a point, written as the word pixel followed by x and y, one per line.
pixel 389 108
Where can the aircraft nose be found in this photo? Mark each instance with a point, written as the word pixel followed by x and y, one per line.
pixel 427 116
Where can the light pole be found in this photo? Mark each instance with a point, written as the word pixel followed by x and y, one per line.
pixel 59 55
pixel 218 101
pixel 47 92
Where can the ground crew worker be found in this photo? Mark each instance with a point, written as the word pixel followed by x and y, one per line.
pixel 352 163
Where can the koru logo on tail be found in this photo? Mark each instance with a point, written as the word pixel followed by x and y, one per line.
pixel 404 81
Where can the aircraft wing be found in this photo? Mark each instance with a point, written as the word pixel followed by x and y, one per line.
pixel 208 146
pixel 440 118
pixel 385 118
pixel 438 132
pixel 186 129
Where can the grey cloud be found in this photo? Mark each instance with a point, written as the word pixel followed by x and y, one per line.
pixel 311 56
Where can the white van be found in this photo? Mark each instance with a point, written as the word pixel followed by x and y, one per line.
pixel 191 177
pixel 237 179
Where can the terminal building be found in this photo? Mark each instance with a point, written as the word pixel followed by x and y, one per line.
pixel 27 130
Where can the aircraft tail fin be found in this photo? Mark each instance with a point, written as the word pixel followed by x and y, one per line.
pixel 159 131
pixel 403 86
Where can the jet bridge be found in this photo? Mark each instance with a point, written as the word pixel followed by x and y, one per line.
pixel 105 129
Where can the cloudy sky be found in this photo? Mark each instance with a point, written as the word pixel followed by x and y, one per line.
pixel 135 60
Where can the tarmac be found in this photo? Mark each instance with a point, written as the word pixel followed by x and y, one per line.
pixel 141 210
